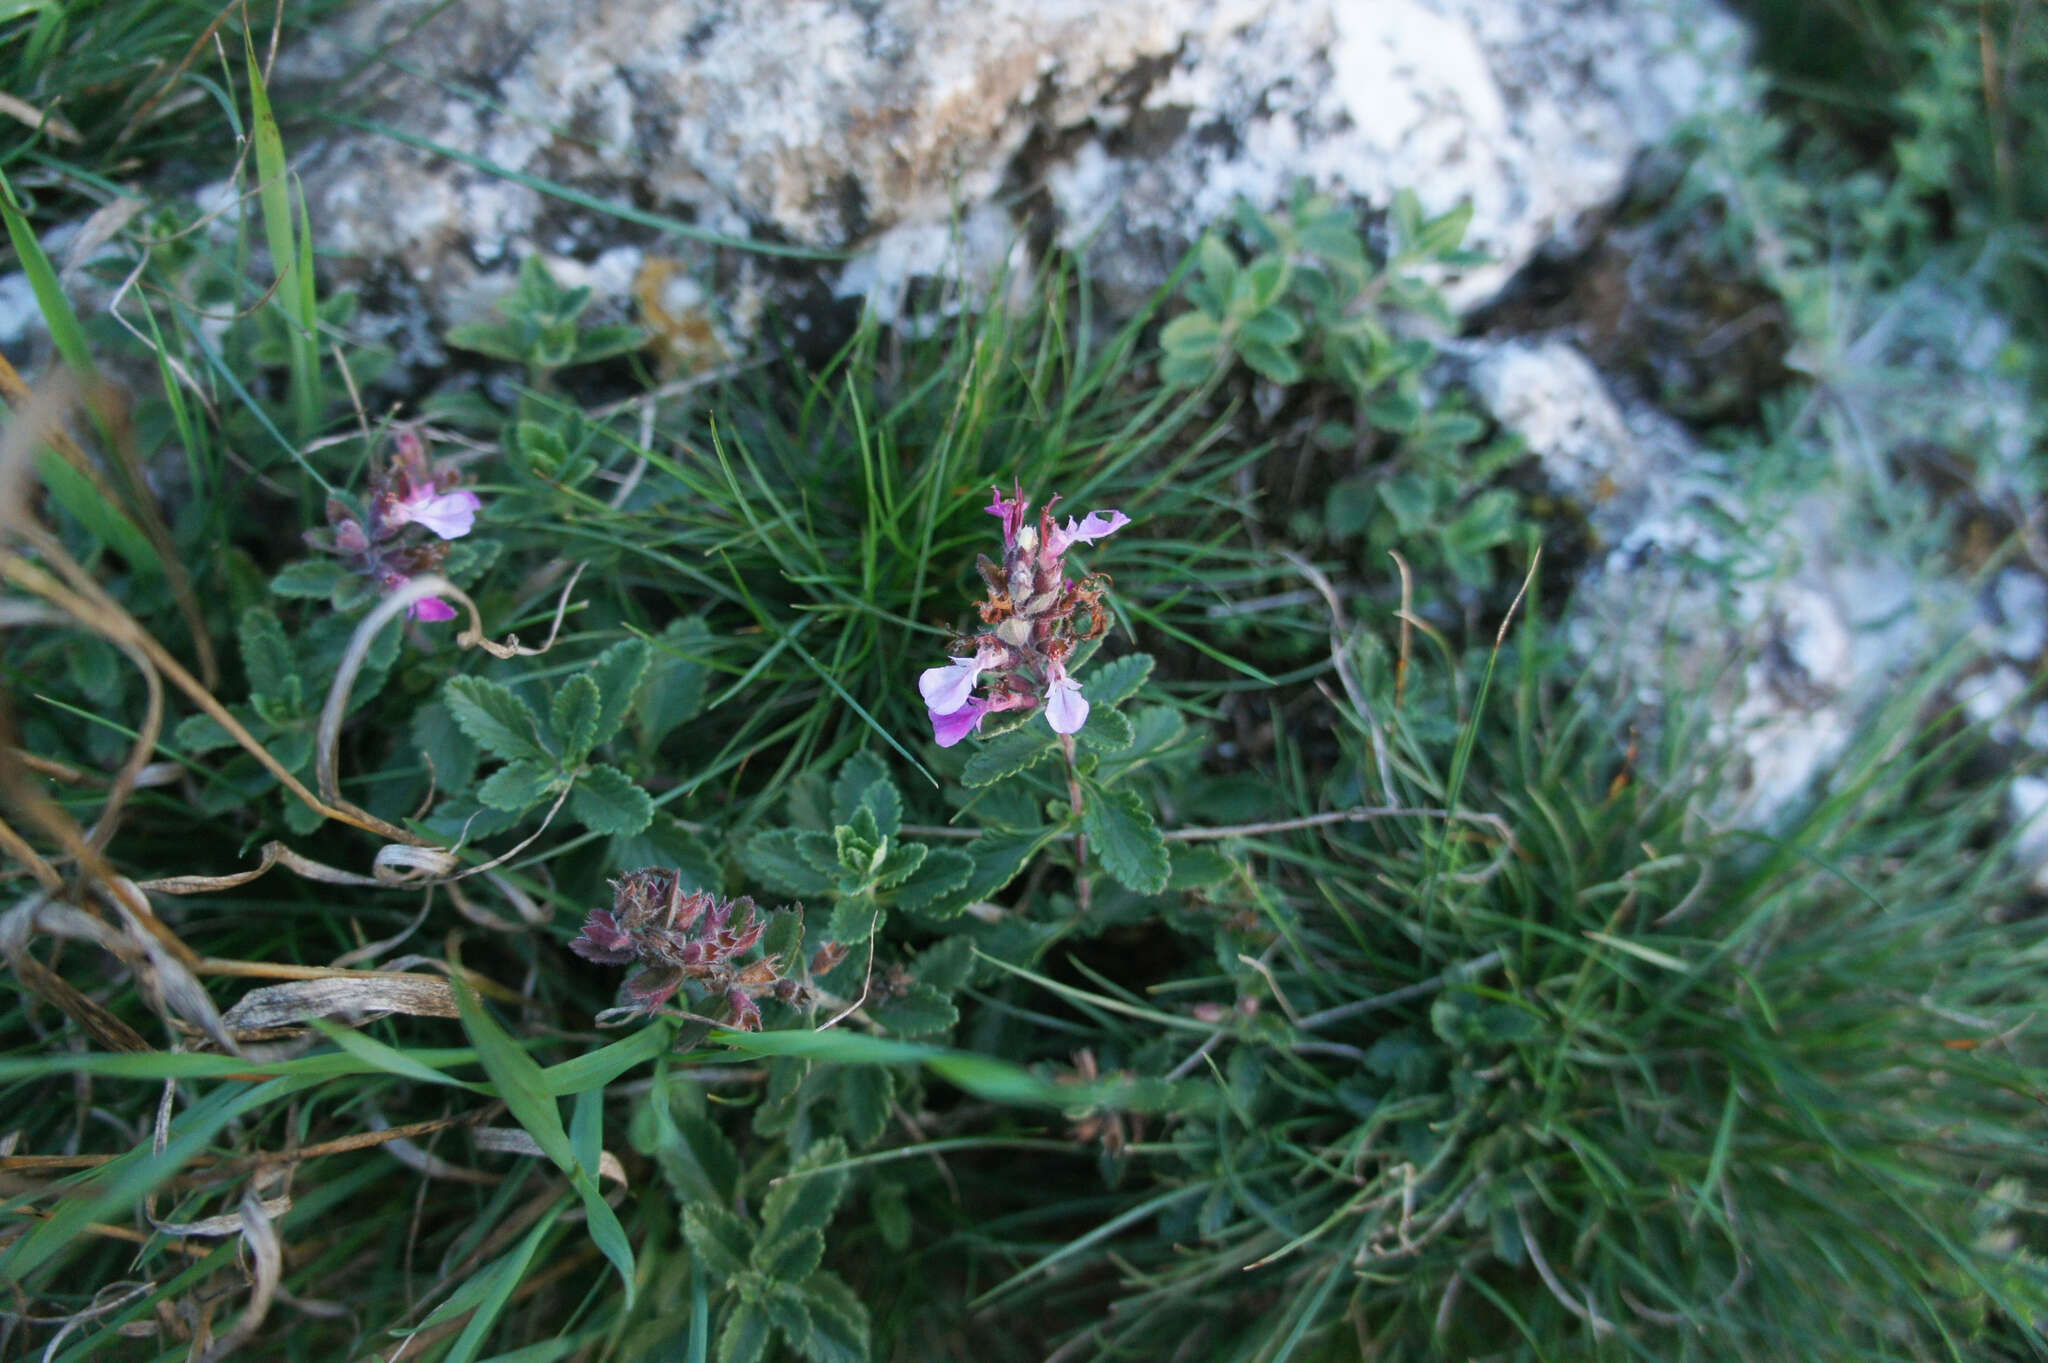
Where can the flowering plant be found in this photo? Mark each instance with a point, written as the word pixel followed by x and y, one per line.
pixel 1035 616
pixel 680 936
pixel 381 545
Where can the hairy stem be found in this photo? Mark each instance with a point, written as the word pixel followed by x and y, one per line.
pixel 1081 879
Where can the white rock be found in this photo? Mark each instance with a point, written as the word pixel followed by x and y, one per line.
pixel 2021 599
pixel 828 122
pixel 19 314
pixel 2026 804
pixel 1790 634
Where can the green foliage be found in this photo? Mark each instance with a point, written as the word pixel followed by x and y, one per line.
pixel 1088 1049
pixel 1312 308
pixel 541 328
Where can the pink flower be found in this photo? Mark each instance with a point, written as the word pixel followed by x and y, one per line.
pixel 451 515
pixel 1092 527
pixel 1066 709
pixel 431 609
pixel 945 689
pixel 1011 509
pixel 955 725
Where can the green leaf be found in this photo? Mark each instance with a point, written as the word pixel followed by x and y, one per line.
pixel 574 714
pixel 785 1100
pixel 1007 754
pixel 920 1011
pixel 1411 500
pixel 805 1199
pixel 784 938
pixel 1195 335
pixel 998 857
pixel 201 733
pixel 1155 729
pixel 1445 231
pixel 617 675
pixel 1350 507
pixel 446 747
pixel 790 1258
pixel 1260 284
pixel 776 860
pixel 1269 361
pixel 523 1087
pixel 1407 218
pixel 310 577
pixel 1116 681
pixel 266 654
pixel 1487 523
pixel 745 1336
pixel 495 719
pixel 853 921
pixel 899 863
pixel 495 339
pixel 1218 264
pixel 943 870
pixel 1394 411
pixel 1195 865
pixel 722 1242
pixel 839 1323
pixel 788 1312
pixel 864 782
pixel 890 1212
pixel 821 850
pixel 1106 731
pixel 1184 370
pixel 694 1156
pixel 605 800
pixel 1275 326
pixel 519 786
pixel 856 774
pixel 497 1283
pixel 946 965
pixel 673 688
pixel 865 1092
pixel 1124 840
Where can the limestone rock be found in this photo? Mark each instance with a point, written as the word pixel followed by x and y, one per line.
pixel 1793 627
pixel 838 124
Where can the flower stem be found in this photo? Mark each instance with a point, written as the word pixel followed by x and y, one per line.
pixel 1082 884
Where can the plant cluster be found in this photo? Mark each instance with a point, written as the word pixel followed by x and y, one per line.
pixel 1290 992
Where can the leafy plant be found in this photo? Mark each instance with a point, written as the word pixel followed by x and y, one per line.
pixel 540 327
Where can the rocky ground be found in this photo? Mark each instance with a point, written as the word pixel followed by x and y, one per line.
pixel 921 150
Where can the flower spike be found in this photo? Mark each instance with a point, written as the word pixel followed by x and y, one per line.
pixel 1034 618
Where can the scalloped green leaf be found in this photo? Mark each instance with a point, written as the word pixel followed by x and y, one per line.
pixel 776 859
pixel 519 786
pixel 605 800
pixel 943 870
pixel 1007 754
pixel 1117 680
pixel 574 715
pixel 1124 841
pixel 495 719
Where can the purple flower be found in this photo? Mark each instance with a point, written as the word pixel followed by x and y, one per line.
pixel 1011 509
pixel 451 515
pixel 945 689
pixel 955 725
pixel 1066 709
pixel 1034 619
pixel 428 609
pixel 1092 527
